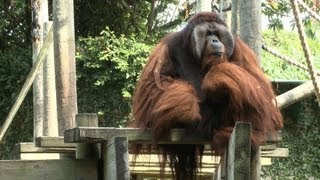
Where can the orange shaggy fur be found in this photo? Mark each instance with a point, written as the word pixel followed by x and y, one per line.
pixel 205 96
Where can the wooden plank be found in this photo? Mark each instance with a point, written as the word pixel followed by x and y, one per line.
pixel 239 152
pixel 28 147
pixel 54 142
pixel 220 171
pixel 296 94
pixel 276 153
pixel 255 164
pixel 116 159
pixel 38 156
pixel 27 151
pixel 74 169
pixel 57 144
pixel 87 150
pixel 134 135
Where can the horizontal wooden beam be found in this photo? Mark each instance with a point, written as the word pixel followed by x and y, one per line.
pixel 53 142
pixel 276 153
pixel 29 147
pixel 49 169
pixel 136 135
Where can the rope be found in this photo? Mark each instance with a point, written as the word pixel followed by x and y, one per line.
pixel 280 56
pixel 305 48
pixel 309 10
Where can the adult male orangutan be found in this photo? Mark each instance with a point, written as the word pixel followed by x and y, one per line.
pixel 204 80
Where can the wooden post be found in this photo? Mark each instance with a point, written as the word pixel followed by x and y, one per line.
pixel 50 127
pixel 250 25
pixel 87 150
pixel 255 164
pixel 203 6
pixel 221 170
pixel 239 152
pixel 65 67
pixel 116 159
pixel 37 41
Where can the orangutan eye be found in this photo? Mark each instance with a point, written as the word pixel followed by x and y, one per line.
pixel 209 33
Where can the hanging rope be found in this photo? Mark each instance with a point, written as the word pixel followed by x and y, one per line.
pixel 293 62
pixel 305 48
pixel 312 13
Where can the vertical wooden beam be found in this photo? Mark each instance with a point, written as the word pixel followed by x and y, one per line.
pixel 239 152
pixel 255 164
pixel 203 6
pixel 65 66
pixel 116 159
pixel 250 25
pixel 221 170
pixel 235 8
pixel 37 41
pixel 226 14
pixel 50 127
pixel 87 150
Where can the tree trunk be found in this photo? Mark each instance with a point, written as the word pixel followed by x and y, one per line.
pixel 203 6
pixel 50 97
pixel 151 17
pixel 225 11
pixel 235 6
pixel 250 25
pixel 64 54
pixel 37 34
pixel 251 33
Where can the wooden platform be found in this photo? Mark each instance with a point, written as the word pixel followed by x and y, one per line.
pixel 75 169
pixel 107 149
pixel 134 135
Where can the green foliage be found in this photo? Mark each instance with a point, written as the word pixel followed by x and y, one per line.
pixel 14 23
pixel 146 19
pixel 107 68
pixel 13 71
pixel 301 137
pixel 280 15
pixel 275 10
pixel 288 44
pixel 300 132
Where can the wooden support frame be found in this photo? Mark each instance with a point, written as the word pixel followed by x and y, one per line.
pixel 235 163
pixel 134 135
pixel 116 159
pixel 87 150
pixel 239 152
pixel 240 162
pixel 62 169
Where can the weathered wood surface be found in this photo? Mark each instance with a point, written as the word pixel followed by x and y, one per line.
pixel 275 153
pixel 296 94
pixel 150 164
pixel 239 153
pixel 54 142
pixel 255 164
pixel 49 169
pixel 28 151
pixel 221 170
pixel 57 143
pixel 28 147
pixel 87 150
pixel 116 159
pixel 134 135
